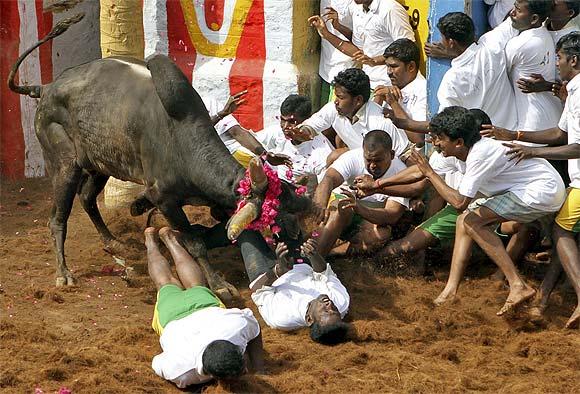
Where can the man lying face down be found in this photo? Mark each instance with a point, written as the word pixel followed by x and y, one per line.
pixel 294 294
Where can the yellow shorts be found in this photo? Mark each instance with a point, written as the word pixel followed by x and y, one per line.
pixel 569 216
pixel 243 157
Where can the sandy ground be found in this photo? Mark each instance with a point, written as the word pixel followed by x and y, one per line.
pixel 96 337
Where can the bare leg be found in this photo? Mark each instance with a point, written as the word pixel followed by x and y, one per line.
pixel 522 237
pixel 158 266
pixel 479 225
pixel 548 284
pixel 570 259
pixel 415 241
pixel 459 260
pixel 337 222
pixel 370 237
pixel 189 272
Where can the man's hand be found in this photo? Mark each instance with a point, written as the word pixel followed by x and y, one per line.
pixel 392 94
pixel 437 50
pixel 283 264
pixel 309 248
pixel 559 90
pixel 360 57
pixel 399 123
pixel 422 163
pixel 277 159
pixel 350 202
pixel 533 84
pixel 497 133
pixel 519 152
pixel 364 186
pixel 303 133
pixel 320 214
pixel 233 103
pixel 318 23
pixel 331 15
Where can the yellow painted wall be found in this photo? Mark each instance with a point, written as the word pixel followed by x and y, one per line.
pixel 418 11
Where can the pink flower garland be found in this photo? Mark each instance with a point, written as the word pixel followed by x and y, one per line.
pixel 271 202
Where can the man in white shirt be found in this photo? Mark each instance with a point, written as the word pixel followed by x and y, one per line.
pixel 477 77
pixel 293 295
pixel 352 115
pixel 200 338
pixel 532 52
pixel 307 157
pixel 408 95
pixel 375 24
pixel 498 11
pixel 523 193
pixel 365 222
pixel 567 139
pixel 332 61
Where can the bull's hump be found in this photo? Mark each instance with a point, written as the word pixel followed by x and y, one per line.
pixel 137 67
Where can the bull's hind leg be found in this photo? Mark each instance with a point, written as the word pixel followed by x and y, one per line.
pixel 90 187
pixel 194 244
pixel 65 181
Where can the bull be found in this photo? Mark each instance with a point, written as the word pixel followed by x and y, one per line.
pixel 141 122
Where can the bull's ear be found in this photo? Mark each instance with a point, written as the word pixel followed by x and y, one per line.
pixel 177 95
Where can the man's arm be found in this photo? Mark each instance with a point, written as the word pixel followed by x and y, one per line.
pixel 248 141
pixel 331 180
pixel 309 249
pixel 407 124
pixel 389 214
pixel 553 136
pixel 346 47
pixel 565 152
pixel 255 351
pixel 331 15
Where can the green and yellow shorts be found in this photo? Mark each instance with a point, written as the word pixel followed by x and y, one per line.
pixel 174 303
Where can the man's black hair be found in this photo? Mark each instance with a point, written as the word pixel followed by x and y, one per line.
pixel 456 122
pixel 223 359
pixel 296 104
pixel 329 334
pixel 570 45
pixel 355 81
pixel 378 139
pixel 480 117
pixel 457 26
pixel 403 50
pixel 542 8
pixel 573 5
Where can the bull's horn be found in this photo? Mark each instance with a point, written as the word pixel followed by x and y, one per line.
pixel 241 220
pixel 258 176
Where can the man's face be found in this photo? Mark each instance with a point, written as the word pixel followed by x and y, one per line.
pixel 444 145
pixel 565 66
pixel 322 310
pixel 345 103
pixel 520 16
pixel 377 161
pixel 288 122
pixel 399 72
pixel 560 13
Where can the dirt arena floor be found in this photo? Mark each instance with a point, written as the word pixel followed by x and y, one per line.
pixel 96 337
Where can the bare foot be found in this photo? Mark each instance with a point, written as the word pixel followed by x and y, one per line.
pixel 574 320
pixel 536 314
pixel 168 235
pixel 151 236
pixel 444 297
pixel 515 298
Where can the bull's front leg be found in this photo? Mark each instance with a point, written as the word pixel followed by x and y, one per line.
pixel 195 245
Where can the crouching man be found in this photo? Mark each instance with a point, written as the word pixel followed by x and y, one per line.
pixel 364 222
pixel 290 296
pixel 201 339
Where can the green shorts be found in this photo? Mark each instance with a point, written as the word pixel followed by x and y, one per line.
pixel 442 224
pixel 354 226
pixel 174 303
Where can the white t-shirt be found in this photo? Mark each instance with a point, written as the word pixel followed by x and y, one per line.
pixel 374 30
pixel 532 52
pixel 414 98
pixel 556 35
pixel 352 164
pixel 498 10
pixel 307 158
pixel 570 123
pixel 478 79
pixel 370 117
pixel 183 341
pixel 450 168
pixel 333 61
pixel 213 107
pixel 283 305
pixel 489 171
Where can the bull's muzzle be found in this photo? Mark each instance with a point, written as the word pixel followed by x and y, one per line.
pixel 241 220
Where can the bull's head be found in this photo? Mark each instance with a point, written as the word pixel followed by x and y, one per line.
pixel 290 202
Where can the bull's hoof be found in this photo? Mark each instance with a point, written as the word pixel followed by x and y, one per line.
pixel 62 281
pixel 224 290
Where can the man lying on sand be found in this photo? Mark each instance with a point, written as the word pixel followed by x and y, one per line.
pixel 290 296
pixel 201 339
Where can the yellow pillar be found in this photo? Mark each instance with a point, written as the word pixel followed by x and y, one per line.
pixel 122 28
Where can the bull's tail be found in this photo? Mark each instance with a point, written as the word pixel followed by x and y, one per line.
pixel 57 30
